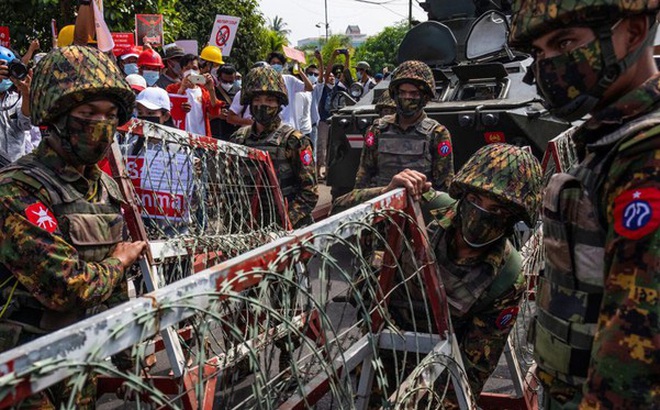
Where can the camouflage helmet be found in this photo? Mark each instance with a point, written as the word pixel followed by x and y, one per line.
pixel 263 80
pixel 69 76
pixel 533 18
pixel 506 172
pixel 385 101
pixel 415 72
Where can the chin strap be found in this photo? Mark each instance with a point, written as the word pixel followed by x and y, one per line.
pixel 611 71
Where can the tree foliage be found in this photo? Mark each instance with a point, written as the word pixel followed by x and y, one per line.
pixel 278 25
pixel 380 50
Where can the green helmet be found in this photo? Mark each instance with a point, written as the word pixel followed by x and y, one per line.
pixel 263 80
pixel 506 172
pixel 69 76
pixel 385 101
pixel 415 72
pixel 533 18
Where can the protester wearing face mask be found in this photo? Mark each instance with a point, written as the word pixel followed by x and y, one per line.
pixel 172 73
pixel 407 139
pixel 153 104
pixel 480 268
pixel 63 252
pixel 315 74
pixel 210 60
pixel 149 65
pixel 362 70
pixel 14 111
pixel 291 152
pixel 293 84
pixel 202 101
pixel 226 89
pixel 128 61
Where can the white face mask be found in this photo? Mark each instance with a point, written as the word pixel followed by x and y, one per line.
pixel 150 77
pixel 226 86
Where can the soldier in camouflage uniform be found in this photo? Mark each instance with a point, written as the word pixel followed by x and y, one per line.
pixel 291 151
pixel 480 269
pixel 61 226
pixel 597 342
pixel 407 139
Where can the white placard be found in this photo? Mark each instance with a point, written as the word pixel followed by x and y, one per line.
pixel 224 32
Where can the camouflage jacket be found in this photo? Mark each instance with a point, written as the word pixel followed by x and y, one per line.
pixel 482 325
pixel 35 250
pixel 298 153
pixel 624 371
pixel 442 158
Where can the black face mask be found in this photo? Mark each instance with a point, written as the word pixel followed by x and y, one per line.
pixel 409 107
pixel 154 119
pixel 264 114
pixel 480 227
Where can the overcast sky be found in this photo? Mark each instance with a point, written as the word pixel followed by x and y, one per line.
pixel 301 16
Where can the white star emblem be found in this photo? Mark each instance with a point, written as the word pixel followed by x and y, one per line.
pixel 637 195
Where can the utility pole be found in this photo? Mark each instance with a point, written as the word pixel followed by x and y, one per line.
pixel 409 14
pixel 326 21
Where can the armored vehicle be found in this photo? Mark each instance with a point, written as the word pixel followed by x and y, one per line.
pixel 480 94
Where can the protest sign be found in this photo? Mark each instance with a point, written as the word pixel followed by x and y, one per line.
pixel 224 33
pixel 295 54
pixel 188 46
pixel 149 28
pixel 177 113
pixel 123 43
pixel 4 36
pixel 150 174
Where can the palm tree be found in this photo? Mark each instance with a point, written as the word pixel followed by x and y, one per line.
pixel 279 26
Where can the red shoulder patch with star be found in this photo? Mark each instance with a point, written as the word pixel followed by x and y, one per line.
pixel 306 156
pixel 369 139
pixel 637 212
pixel 506 317
pixel 444 148
pixel 41 216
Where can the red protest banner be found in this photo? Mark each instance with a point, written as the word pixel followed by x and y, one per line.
pixel 149 28
pixel 177 113
pixel 4 36
pixel 123 43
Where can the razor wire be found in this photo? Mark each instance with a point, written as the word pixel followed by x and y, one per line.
pixel 207 199
pixel 324 317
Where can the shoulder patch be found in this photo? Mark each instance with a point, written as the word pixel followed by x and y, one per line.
pixel 306 156
pixel 370 139
pixel 41 216
pixel 444 148
pixel 506 318
pixel 637 212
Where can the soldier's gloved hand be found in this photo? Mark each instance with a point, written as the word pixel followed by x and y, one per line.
pixel 128 252
pixel 414 182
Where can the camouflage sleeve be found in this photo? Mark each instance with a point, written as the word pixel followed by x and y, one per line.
pixel 624 371
pixel 299 152
pixel 355 197
pixel 45 263
pixel 368 159
pixel 442 155
pixel 484 335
